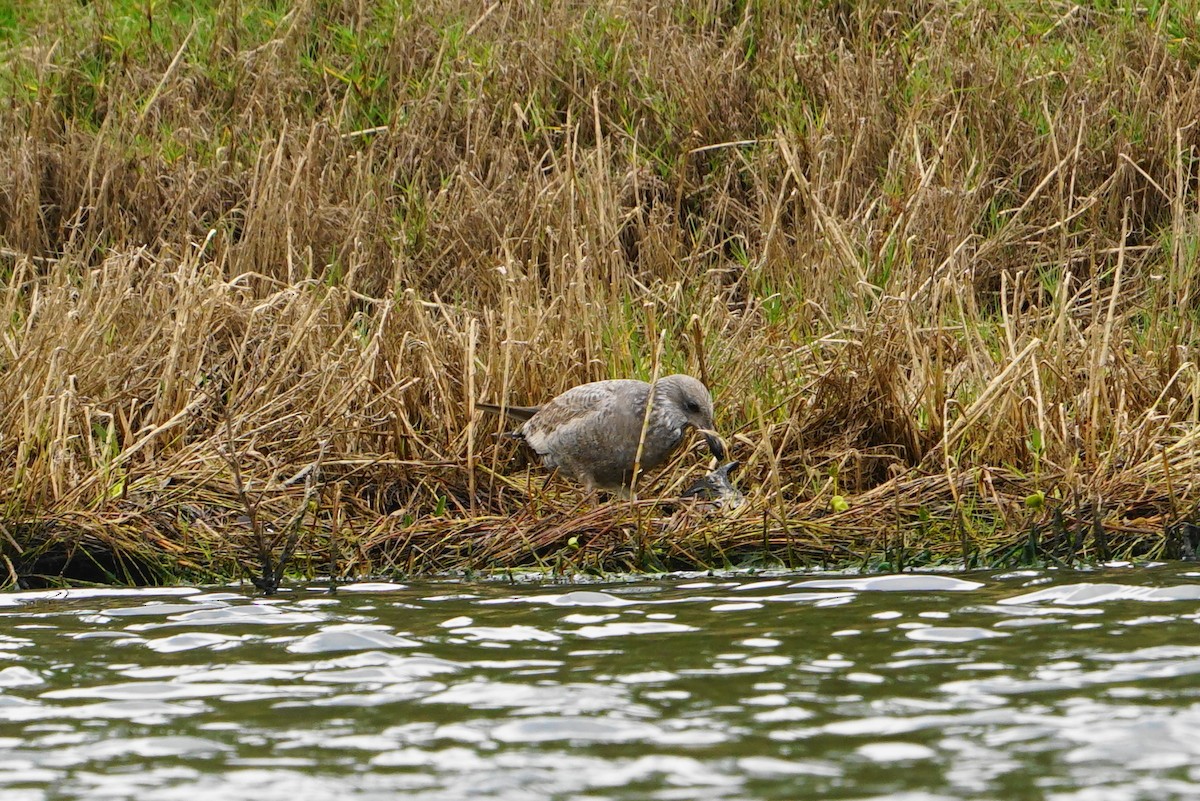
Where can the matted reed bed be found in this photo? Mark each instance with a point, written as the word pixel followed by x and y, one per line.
pixel 259 261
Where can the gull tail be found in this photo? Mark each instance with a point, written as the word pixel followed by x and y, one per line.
pixel 521 413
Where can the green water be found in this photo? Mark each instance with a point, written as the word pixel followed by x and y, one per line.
pixel 1030 684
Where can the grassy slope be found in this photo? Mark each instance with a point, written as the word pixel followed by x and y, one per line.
pixel 259 258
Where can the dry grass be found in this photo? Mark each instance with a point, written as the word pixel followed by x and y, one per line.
pixel 259 259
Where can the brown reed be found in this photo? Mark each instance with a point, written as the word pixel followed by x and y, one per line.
pixel 259 260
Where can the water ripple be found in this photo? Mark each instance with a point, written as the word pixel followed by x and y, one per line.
pixel 756 687
pixel 349 637
pixel 952 634
pixel 1085 593
pixel 919 582
pixel 507 634
pixel 624 628
pixel 223 616
pixel 18 676
pixel 575 730
pixel 192 640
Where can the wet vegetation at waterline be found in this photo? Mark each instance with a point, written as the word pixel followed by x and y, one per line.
pixel 260 260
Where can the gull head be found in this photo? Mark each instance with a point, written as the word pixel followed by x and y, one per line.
pixel 689 403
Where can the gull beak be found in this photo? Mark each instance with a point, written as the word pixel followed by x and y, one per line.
pixel 715 444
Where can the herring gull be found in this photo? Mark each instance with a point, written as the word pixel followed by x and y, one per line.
pixel 591 432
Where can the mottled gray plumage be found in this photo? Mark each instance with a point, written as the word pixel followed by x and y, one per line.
pixel 590 432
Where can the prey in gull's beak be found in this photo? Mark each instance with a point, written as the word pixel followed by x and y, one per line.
pixel 715 444
pixel 715 490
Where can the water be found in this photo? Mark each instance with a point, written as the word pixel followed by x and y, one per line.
pixel 1029 684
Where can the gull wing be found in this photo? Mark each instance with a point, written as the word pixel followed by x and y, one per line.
pixel 581 409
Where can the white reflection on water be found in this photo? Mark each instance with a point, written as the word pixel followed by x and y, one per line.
pixel 631 629
pixel 192 640
pixel 1079 594
pixel 929 582
pixel 349 637
pixel 951 634
pixel 84 593
pixel 17 676
pixel 507 634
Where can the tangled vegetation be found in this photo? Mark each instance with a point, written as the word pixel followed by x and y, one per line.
pixel 260 259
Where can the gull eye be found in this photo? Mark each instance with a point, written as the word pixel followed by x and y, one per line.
pixel 691 407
